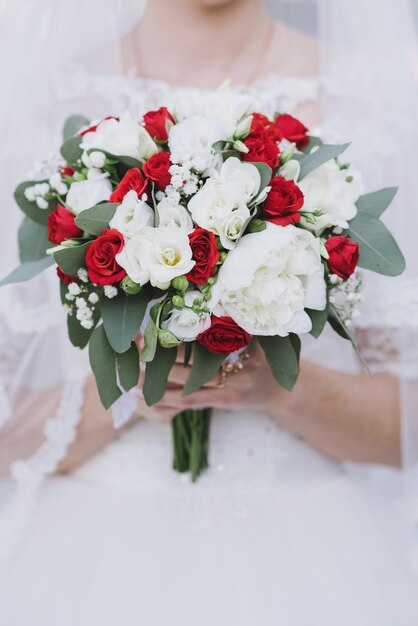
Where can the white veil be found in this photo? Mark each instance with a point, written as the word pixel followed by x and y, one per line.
pixel 48 53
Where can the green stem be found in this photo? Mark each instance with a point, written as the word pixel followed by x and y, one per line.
pixel 191 441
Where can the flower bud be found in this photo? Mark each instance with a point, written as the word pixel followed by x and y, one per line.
pixel 222 256
pixel 287 153
pixel 178 302
pixel 180 283
pixel 240 146
pixel 167 339
pixel 256 226
pixel 97 159
pixel 129 287
pixel 243 129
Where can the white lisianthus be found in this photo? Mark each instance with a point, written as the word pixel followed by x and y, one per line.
pixel 136 255
pixel 132 216
pixel 191 141
pixel 171 257
pixel 270 278
pixel 85 194
pixel 290 170
pixel 157 256
pixel 245 174
pixel 221 207
pixel 173 216
pixel 186 324
pixel 123 137
pixel 326 189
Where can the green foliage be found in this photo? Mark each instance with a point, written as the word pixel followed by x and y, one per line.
pixel 377 202
pixel 156 374
pixel 204 367
pixel 31 209
pixel 96 219
pixel 73 124
pixel 282 354
pixel 27 270
pixel 310 162
pixel 122 318
pixel 33 241
pixel 71 259
pixel 71 150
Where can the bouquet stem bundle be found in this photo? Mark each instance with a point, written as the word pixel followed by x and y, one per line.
pixel 190 431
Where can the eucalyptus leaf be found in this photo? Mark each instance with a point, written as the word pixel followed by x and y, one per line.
pixel 379 251
pixel 282 354
pixel 156 374
pixel 310 162
pixel 71 259
pixel 73 124
pixel 71 150
pixel 377 202
pixel 31 209
pixel 78 335
pixel 103 364
pixel 33 241
pixel 27 270
pixel 314 142
pixel 341 329
pixel 95 220
pixel 318 319
pixel 122 318
pixel 266 174
pixel 127 365
pixel 150 341
pixel 204 367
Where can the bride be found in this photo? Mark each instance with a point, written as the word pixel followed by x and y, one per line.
pixel 297 522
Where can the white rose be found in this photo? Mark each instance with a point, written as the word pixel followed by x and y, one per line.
pixel 327 190
pixel 123 137
pixel 269 279
pixel 85 194
pixel 171 257
pixel 132 216
pixel 136 255
pixel 184 323
pixel 221 208
pixel 173 216
pixel 192 139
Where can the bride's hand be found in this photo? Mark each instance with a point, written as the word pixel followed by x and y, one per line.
pixel 252 387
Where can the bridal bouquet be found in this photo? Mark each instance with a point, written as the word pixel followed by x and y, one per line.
pixel 207 225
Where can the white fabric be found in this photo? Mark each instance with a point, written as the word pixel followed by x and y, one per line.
pixel 274 533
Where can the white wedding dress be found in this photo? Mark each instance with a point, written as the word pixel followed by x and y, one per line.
pixel 274 533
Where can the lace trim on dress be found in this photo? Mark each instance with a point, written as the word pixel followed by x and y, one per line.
pixel 60 432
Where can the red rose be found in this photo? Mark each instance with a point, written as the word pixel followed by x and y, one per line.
pixel 343 256
pixel 65 278
pixel 61 225
pixel 92 129
pixel 206 255
pixel 100 258
pixel 224 336
pixel 261 123
pixel 66 170
pixel 156 169
pixel 133 179
pixel 262 148
pixel 283 202
pixel 293 130
pixel 155 123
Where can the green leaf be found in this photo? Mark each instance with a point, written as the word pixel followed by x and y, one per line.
pixel 318 319
pixel 156 374
pixel 377 202
pixel 127 365
pixel 122 318
pixel 31 209
pixel 96 219
pixel 204 367
pixel 71 259
pixel 78 335
pixel 266 174
pixel 73 124
pixel 379 252
pixel 151 341
pixel 103 364
pixel 71 150
pixel 33 241
pixel 27 270
pixel 282 354
pixel 310 162
pixel 126 160
pixel 314 142
pixel 342 330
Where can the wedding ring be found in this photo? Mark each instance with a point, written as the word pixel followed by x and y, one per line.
pixel 232 367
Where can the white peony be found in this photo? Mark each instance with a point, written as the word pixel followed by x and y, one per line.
pixel 132 216
pixel 173 216
pixel 327 190
pixel 224 105
pixel 269 279
pixel 185 323
pixel 85 194
pixel 221 207
pixel 157 256
pixel 191 141
pixel 123 137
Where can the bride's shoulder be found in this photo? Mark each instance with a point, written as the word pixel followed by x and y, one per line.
pixel 293 53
